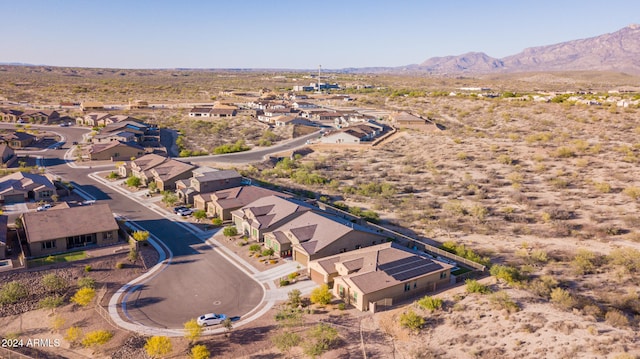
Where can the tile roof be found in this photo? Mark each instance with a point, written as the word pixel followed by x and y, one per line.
pixel 101 147
pixel 62 223
pixel 24 181
pixel 267 211
pixel 241 196
pixel 170 169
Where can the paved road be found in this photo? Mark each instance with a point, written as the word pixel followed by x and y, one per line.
pixel 198 277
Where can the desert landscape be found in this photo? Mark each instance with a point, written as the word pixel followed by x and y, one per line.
pixel 546 192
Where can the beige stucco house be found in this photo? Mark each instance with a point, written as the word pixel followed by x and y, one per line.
pixel 313 235
pixel 380 275
pixel 221 203
pixel 22 186
pixel 265 214
pixel 61 230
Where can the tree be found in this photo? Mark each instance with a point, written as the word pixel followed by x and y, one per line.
pixel 73 335
pixel 152 186
pixel 169 198
pixel 321 295
pixel 133 181
pixel 294 298
pixel 158 346
pixel 254 248
pixel 268 252
pixel 200 352
pixel 230 231
pixel 199 215
pixel 84 296
pixel 192 330
pixel 140 236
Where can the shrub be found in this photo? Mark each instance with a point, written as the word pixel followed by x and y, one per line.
pixel 73 335
pixel 473 286
pixel 321 295
pixel 157 346
pixel 216 222
pixel 602 187
pixel 293 275
pixel 113 175
pixel 562 298
pixel 133 181
pixel 53 282
pixel 96 338
pixel 200 352
pixel 285 341
pixel 192 330
pixel 320 339
pixel 88 268
pixel 268 252
pixel 57 323
pixel 502 301
pixel 86 282
pixel 230 231
pixel 629 258
pixel 543 286
pixel 616 318
pixel 294 297
pixel 430 303
pixel 584 262
pixel 633 192
pixel 13 292
pixel 284 282
pixel 505 160
pixel 51 302
pixel 411 320
pixel 119 265
pixel 84 296
pixel 509 274
pixel 341 306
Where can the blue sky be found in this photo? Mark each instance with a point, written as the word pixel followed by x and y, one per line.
pixel 299 34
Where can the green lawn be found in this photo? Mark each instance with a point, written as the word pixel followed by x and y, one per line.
pixel 64 257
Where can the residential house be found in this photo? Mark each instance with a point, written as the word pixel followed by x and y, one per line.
pixel 3 236
pixel 7 155
pixel 115 151
pixel 93 119
pixel 40 116
pixel 206 182
pixel 18 139
pixel 202 111
pixel 221 203
pixel 218 112
pixel 380 275
pixel 167 173
pixel 404 119
pixel 314 235
pixel 9 115
pixel 265 214
pixel 352 134
pixel 61 230
pixel 287 120
pixel 303 105
pixel 91 106
pixel 130 130
pixel 141 167
pixel 22 186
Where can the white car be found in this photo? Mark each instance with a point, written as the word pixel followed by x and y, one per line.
pixel 211 319
pixel 44 207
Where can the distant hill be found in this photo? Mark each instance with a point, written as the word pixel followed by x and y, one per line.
pixel 618 51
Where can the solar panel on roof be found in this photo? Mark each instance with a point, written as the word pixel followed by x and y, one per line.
pixel 418 271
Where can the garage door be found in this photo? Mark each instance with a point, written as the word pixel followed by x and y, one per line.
pixel 300 258
pixel 14 198
pixel 317 276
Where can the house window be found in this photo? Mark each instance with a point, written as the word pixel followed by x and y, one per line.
pixel 407 287
pixel 276 247
pixel 254 233
pixel 107 235
pixel 355 296
pixel 415 284
pixel 48 244
pixel 443 275
pixel 340 290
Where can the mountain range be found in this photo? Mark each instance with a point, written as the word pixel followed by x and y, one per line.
pixel 618 51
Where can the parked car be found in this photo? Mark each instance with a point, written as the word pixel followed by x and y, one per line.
pixel 44 207
pixel 63 124
pixel 185 212
pixel 178 209
pixel 211 319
